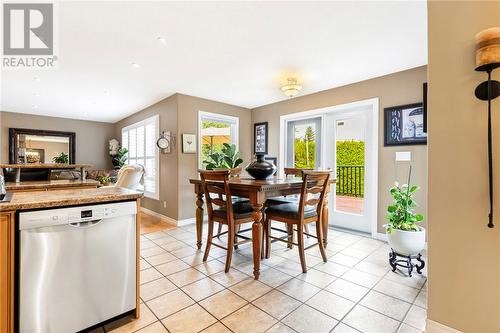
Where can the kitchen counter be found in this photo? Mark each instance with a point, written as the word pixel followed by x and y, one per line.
pixel 50 184
pixel 67 197
pixel 45 166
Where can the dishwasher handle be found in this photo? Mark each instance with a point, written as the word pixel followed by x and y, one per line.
pixel 85 224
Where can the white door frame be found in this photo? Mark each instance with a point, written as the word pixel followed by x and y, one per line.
pixel 372 135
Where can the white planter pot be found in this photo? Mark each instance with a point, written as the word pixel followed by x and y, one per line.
pixel 407 242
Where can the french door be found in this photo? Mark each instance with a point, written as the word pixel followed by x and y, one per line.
pixel 343 138
pixel 346 154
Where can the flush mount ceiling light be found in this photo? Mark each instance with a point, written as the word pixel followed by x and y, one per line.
pixel 291 88
pixel 135 65
pixel 161 40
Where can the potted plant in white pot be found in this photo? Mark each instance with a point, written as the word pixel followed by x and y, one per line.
pixel 406 237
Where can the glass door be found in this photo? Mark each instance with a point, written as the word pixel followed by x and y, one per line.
pixel 303 147
pixel 346 133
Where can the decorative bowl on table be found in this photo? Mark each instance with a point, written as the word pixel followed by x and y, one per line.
pixel 260 168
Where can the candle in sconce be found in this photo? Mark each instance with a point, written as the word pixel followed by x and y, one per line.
pixel 488 48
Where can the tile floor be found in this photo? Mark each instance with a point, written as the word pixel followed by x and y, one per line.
pixel 354 292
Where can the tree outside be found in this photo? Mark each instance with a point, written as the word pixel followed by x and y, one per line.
pixel 305 147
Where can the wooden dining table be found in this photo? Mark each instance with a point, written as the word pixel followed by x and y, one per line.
pixel 257 191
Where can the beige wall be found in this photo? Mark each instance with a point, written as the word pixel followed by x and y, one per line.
pixel 167 110
pixel 395 89
pixel 464 255
pixel 91 136
pixel 188 123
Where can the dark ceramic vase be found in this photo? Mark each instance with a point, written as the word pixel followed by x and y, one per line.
pixel 260 169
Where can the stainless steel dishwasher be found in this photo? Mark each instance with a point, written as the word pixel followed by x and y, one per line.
pixel 77 266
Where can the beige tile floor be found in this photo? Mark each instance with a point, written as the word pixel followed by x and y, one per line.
pixel 354 292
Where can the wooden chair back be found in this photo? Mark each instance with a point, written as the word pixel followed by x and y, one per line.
pixel 314 189
pixel 217 193
pixel 297 172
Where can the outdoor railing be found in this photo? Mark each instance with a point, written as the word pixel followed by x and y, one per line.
pixel 350 180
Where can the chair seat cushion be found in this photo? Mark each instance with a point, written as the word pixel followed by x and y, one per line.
pixel 239 200
pixel 282 200
pixel 240 210
pixel 290 210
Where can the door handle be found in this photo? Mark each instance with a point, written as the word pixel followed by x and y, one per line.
pixel 86 224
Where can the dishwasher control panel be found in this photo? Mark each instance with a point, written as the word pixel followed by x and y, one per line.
pixel 52 217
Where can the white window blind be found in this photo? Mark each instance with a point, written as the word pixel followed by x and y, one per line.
pixel 140 140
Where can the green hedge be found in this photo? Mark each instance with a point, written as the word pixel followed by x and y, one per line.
pixel 350 153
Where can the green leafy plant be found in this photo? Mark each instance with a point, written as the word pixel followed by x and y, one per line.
pixel 227 158
pixel 62 158
pixel 121 159
pixel 401 214
pixel 104 180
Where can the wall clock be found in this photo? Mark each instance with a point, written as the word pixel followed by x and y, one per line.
pixel 164 142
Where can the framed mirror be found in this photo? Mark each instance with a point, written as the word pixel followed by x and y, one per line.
pixel 27 146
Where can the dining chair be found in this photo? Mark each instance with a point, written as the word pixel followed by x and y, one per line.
pixel 233 173
pixel 296 172
pixel 221 209
pixel 309 209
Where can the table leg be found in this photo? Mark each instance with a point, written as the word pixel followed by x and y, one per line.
pixel 325 223
pixel 199 219
pixel 83 174
pixel 18 175
pixel 257 238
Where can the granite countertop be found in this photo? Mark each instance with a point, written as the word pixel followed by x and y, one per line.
pixel 67 197
pixel 28 185
pixel 45 166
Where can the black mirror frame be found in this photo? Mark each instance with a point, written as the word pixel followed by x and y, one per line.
pixel 14 132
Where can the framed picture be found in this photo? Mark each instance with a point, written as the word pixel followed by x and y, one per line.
pixel 404 125
pixel 273 160
pixel 424 93
pixel 260 138
pixel 189 143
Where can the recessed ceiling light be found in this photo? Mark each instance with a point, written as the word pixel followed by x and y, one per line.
pixel 161 40
pixel 34 106
pixel 36 78
pixel 135 65
pixel 106 92
pixel 36 94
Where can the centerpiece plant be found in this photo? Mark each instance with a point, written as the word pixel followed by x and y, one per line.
pixel 227 158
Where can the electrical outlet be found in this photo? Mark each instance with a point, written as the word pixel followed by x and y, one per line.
pixel 164 204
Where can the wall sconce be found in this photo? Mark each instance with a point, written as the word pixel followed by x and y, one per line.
pixel 488 59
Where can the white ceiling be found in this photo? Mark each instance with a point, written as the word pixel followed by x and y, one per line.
pixel 236 52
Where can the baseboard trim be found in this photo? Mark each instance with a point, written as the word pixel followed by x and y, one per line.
pixel 162 217
pixel 435 327
pixel 381 236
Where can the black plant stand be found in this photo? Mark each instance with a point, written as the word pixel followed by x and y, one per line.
pixel 406 262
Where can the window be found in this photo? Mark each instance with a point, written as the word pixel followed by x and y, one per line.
pixel 140 140
pixel 303 146
pixel 213 131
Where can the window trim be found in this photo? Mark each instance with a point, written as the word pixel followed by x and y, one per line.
pixel 156 120
pixel 221 117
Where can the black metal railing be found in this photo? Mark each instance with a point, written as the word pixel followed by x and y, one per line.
pixel 350 180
